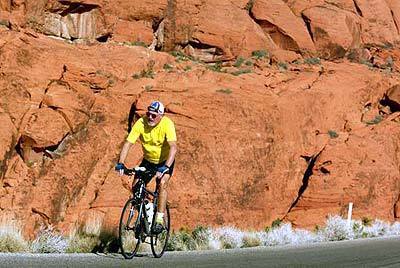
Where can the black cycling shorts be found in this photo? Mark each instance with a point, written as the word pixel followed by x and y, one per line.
pixel 152 168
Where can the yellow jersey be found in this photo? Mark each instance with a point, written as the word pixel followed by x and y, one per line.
pixel 154 139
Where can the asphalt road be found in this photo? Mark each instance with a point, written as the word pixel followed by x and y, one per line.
pixel 359 253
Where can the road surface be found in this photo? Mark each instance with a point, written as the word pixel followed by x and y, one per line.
pixel 378 252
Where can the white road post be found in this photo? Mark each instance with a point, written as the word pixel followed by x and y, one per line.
pixel 349 213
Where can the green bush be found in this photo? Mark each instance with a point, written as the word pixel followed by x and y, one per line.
pixel 217 67
pixel 181 241
pixel 242 71
pixel 48 240
pixel 148 87
pixel 224 90
pixel 332 134
pixel 375 121
pixel 250 241
pixel 83 243
pixel 366 221
pixel 248 63
pixel 249 5
pixel 146 73
pixel 201 236
pixel 239 61
pixel 180 56
pixel 312 61
pixel 11 240
pixel 276 223
pixel 259 54
pixel 168 67
pixel 283 66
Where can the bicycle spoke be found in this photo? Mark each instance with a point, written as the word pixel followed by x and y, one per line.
pixel 159 241
pixel 129 243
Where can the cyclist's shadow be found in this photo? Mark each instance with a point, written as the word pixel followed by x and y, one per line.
pixel 119 255
pixel 113 247
pixel 133 116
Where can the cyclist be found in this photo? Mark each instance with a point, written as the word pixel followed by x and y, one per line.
pixel 158 138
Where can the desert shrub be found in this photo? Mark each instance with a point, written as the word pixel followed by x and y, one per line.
pixel 312 61
pixel 278 236
pixel 201 236
pixel 242 71
pixel 394 229
pixel 181 241
pixel 259 54
pixel 225 90
pixel 168 67
pixel 216 67
pixel 250 240
pixel 332 134
pixel 366 221
pixel 248 63
pixel 239 61
pixel 180 56
pixel 11 239
pixel 49 241
pixel 82 243
pixel 337 229
pixel 229 237
pixel 283 66
pixel 249 5
pixel 377 228
pixel 276 223
pixel 187 68
pixel 146 73
pixel 375 121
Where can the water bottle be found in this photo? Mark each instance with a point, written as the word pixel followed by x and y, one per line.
pixel 149 212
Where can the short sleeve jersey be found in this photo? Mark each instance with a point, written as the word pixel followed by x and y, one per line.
pixel 154 139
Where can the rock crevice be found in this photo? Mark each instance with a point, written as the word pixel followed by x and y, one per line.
pixel 311 160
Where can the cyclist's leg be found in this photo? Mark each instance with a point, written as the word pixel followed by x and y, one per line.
pixel 163 193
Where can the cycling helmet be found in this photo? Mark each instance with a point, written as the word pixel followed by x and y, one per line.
pixel 156 107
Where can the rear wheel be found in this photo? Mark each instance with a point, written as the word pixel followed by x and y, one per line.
pixel 130 229
pixel 159 242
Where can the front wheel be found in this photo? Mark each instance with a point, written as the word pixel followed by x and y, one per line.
pixel 130 229
pixel 159 242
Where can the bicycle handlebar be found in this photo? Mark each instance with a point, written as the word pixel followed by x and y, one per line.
pixel 129 171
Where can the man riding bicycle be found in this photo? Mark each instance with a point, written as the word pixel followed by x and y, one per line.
pixel 157 135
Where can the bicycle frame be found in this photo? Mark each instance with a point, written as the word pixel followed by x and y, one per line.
pixel 142 196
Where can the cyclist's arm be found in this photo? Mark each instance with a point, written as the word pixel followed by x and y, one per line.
pixel 124 152
pixel 173 148
pixel 131 139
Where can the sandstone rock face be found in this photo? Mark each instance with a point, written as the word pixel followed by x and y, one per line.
pixel 375 14
pixel 8 138
pixel 215 31
pixel 273 136
pixel 286 29
pixel 334 30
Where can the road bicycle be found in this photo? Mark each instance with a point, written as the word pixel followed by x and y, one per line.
pixel 138 219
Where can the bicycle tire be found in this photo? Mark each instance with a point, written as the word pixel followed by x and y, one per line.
pixel 128 241
pixel 157 247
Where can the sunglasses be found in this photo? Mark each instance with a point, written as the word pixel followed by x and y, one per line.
pixel 151 115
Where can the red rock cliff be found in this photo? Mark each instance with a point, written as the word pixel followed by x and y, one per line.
pixel 281 136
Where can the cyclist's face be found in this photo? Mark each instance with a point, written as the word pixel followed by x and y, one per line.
pixel 153 118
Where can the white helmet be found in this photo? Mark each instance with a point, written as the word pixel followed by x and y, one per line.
pixel 157 107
